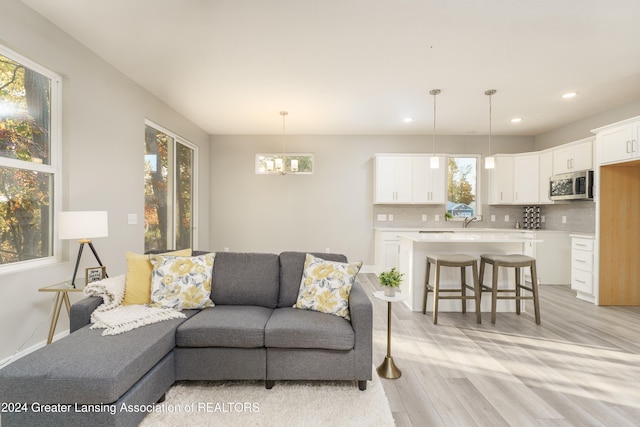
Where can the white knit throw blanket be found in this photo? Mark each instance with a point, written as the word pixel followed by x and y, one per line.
pixel 116 318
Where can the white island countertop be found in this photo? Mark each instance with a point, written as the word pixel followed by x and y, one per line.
pixel 462 236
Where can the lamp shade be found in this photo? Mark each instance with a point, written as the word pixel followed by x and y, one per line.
pixel 83 225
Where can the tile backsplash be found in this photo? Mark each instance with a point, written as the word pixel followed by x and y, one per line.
pixel 578 216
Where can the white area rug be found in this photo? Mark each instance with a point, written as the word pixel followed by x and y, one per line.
pixel 292 403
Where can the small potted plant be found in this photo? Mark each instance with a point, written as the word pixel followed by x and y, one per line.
pixel 390 280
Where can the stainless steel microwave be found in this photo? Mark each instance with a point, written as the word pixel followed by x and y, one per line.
pixel 572 186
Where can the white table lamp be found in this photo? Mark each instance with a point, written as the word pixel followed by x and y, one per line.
pixel 84 226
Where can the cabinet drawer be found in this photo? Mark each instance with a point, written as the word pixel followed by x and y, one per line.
pixel 582 281
pixel 582 244
pixel 582 260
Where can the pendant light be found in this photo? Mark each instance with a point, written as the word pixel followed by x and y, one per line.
pixel 281 163
pixel 490 162
pixel 435 161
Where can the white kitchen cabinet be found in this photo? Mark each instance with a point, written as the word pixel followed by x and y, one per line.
pixel 409 179
pixel 582 263
pixel 429 184
pixel 545 172
pixel 387 250
pixel 526 173
pixel 573 157
pixel 501 181
pixel 618 143
pixel 393 179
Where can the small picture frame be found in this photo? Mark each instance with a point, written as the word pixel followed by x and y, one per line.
pixel 93 274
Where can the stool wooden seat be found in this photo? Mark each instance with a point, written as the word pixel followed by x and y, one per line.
pixel 461 261
pixel 516 261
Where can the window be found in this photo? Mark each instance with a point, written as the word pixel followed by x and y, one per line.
pixel 271 163
pixel 29 160
pixel 462 187
pixel 169 188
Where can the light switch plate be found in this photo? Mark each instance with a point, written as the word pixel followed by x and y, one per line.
pixel 382 217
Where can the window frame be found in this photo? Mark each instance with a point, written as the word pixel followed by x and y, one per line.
pixel 54 168
pixel 173 155
pixel 478 188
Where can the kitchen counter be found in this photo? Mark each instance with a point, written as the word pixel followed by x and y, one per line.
pixel 415 246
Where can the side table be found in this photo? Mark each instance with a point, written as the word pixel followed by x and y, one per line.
pixel 62 294
pixel 388 368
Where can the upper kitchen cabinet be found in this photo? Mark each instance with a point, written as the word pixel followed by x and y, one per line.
pixel 526 179
pixel 428 184
pixel 618 142
pixel 501 184
pixel 408 179
pixel 393 179
pixel 573 157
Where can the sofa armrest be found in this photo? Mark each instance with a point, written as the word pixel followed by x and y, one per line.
pixel 80 315
pixel 361 312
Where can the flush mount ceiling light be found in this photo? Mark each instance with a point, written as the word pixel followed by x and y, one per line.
pixel 435 161
pixel 490 162
pixel 408 119
pixel 516 120
pixel 569 95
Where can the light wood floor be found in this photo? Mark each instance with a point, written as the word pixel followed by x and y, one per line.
pixel 580 367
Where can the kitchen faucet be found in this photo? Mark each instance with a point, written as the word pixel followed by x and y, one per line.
pixel 468 221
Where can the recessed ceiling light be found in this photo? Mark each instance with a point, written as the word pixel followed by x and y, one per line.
pixel 569 95
pixel 516 120
pixel 407 119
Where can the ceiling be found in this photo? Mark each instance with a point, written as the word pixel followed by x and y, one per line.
pixel 361 66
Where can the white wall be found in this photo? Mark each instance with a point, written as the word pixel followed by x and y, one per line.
pixel 331 209
pixel 103 143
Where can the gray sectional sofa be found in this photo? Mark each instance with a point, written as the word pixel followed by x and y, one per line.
pixel 252 333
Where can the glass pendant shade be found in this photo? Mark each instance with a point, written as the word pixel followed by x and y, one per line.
pixel 489 162
pixel 434 162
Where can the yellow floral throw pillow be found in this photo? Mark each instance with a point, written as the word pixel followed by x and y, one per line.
pixel 326 286
pixel 181 282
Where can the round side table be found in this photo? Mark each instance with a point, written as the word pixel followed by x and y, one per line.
pixel 388 368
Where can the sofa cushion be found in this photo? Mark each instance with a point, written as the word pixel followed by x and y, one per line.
pixel 85 367
pixel 138 286
pixel 291 268
pixel 181 282
pixel 246 279
pixel 326 285
pixel 292 328
pixel 225 326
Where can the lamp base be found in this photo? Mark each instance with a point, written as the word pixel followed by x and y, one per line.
pixel 95 254
pixel 388 369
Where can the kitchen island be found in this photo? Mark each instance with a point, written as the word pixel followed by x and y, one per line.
pixel 415 246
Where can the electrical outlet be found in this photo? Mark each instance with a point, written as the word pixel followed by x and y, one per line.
pixel 543 218
pixel 226 249
pixel 382 217
pixel 424 217
pixel 390 217
pixel 327 250
pixel 493 218
pixel 132 219
pixel 506 218
pixel 437 218
pixel 564 219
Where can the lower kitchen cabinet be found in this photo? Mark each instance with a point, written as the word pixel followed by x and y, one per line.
pixel 582 250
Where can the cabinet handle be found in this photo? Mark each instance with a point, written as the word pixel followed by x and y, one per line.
pixel 629 147
pixel 634 145
pixel 580 260
pixel 580 281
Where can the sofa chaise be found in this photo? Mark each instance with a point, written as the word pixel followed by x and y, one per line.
pixel 252 333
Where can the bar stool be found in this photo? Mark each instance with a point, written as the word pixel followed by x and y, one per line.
pixel 461 261
pixel 516 261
